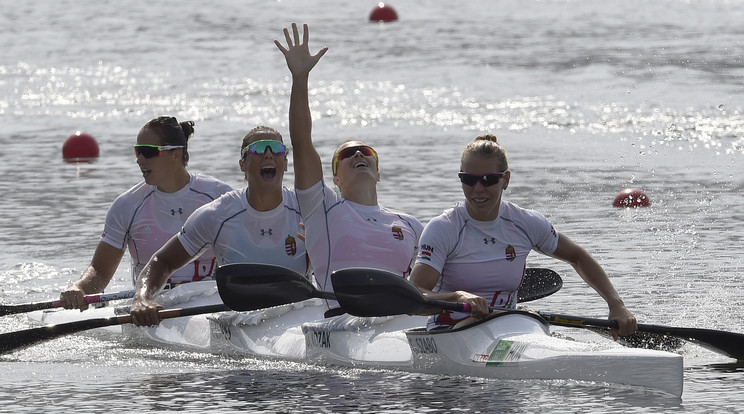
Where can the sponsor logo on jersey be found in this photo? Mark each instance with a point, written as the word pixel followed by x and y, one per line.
pixel 511 254
pixel 290 246
pixel 397 233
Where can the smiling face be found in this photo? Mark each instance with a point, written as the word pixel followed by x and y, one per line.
pixel 264 172
pixel 482 201
pixel 353 162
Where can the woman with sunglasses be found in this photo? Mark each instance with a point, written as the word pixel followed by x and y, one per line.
pixel 148 214
pixel 476 252
pixel 350 230
pixel 257 224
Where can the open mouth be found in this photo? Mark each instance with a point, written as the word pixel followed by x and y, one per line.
pixel 360 164
pixel 268 173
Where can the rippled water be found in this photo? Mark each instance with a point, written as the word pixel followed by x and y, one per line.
pixel 588 97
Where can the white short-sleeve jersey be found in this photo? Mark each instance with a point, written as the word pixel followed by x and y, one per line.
pixel 486 258
pixel 144 218
pixel 340 234
pixel 237 233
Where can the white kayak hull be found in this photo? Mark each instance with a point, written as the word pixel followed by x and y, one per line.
pixel 270 333
pixel 354 341
pixel 518 346
pixel 511 346
pixel 188 332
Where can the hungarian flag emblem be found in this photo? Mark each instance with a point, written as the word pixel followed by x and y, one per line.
pixel 290 246
pixel 397 233
pixel 511 254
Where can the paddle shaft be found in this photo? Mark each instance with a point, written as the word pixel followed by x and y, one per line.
pixel 537 284
pixel 722 342
pixel 14 341
pixel 88 299
pixel 727 343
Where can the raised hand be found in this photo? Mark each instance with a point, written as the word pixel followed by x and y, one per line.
pixel 299 60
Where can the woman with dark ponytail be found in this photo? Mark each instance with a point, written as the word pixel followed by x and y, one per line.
pixel 146 216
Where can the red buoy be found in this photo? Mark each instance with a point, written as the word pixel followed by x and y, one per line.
pixel 631 197
pixel 80 147
pixel 383 13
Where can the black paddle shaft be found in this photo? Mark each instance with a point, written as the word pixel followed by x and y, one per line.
pixel 14 341
pixel 365 291
pixel 721 342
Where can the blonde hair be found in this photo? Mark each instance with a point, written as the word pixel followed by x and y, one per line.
pixel 486 146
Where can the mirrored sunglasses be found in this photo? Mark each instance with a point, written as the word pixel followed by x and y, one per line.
pixel 349 152
pixel 259 147
pixel 487 180
pixel 149 151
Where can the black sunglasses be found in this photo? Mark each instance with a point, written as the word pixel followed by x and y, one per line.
pixel 149 151
pixel 487 180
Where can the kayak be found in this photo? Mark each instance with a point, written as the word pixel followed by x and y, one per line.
pixel 512 345
pixel 517 345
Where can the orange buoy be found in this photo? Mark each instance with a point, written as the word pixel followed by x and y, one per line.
pixel 631 197
pixel 383 13
pixel 80 147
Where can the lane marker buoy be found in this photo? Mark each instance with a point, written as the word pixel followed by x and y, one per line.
pixel 631 197
pixel 383 13
pixel 80 147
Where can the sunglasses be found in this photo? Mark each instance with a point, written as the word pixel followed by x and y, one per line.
pixel 487 180
pixel 259 147
pixel 149 151
pixel 349 152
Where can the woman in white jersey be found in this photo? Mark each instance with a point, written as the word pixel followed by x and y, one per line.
pixel 476 252
pixel 257 224
pixel 148 214
pixel 350 229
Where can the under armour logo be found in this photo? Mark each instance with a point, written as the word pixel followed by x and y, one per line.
pixel 487 240
pixel 265 232
pixel 179 211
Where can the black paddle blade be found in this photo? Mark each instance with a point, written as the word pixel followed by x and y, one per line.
pixel 722 342
pixel 251 286
pixel 538 283
pixel 373 292
pixel 364 291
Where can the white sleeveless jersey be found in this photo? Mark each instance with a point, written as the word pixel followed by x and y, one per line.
pixel 341 234
pixel 144 218
pixel 485 258
pixel 237 233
